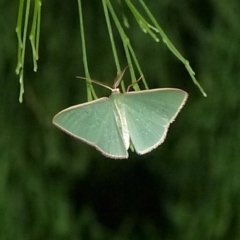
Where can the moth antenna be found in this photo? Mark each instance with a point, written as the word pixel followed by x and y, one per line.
pixel 134 83
pixel 96 82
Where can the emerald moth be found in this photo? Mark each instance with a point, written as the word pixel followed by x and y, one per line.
pixel 135 118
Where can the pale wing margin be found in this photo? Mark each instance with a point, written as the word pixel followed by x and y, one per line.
pixel 149 114
pixel 94 123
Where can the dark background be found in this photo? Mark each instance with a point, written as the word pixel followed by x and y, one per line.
pixel 55 187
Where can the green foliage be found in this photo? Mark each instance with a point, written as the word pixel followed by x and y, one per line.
pixel 54 187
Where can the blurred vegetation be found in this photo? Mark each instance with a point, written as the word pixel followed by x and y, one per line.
pixel 54 187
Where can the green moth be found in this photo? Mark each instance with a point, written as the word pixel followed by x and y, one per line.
pixel 111 124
